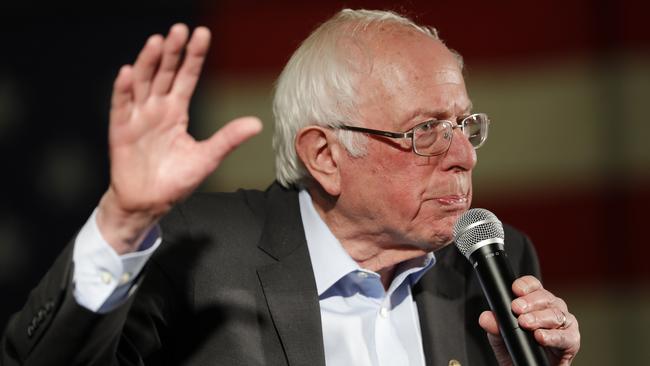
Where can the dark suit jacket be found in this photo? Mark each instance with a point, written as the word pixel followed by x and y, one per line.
pixel 233 285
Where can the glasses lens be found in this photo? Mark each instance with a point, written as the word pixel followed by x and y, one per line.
pixel 432 137
pixel 475 128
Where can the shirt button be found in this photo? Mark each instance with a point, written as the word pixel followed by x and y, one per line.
pixel 383 312
pixel 105 277
pixel 126 277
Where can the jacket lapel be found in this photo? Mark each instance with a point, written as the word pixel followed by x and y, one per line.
pixel 288 282
pixel 440 297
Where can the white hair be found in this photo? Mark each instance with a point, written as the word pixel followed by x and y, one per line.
pixel 318 87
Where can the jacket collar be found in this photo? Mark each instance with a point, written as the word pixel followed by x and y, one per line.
pixel 288 282
pixel 441 299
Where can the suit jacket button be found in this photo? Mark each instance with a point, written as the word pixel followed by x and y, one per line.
pixel 30 331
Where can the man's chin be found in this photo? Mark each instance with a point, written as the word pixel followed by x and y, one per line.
pixel 442 243
pixel 436 242
pixel 442 246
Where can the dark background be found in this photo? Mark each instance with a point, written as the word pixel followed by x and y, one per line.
pixel 56 74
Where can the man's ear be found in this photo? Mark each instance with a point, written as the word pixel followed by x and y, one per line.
pixel 319 152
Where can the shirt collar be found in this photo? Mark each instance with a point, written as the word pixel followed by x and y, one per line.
pixel 330 261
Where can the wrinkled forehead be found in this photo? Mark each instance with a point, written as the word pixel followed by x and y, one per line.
pixel 405 71
pixel 399 49
pixel 367 45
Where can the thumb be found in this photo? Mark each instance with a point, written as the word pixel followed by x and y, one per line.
pixel 500 350
pixel 488 322
pixel 233 134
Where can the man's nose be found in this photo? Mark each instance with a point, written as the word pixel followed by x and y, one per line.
pixel 461 154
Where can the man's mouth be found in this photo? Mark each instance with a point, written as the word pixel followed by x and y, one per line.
pixel 452 200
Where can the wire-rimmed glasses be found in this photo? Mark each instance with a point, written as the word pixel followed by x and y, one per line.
pixel 433 137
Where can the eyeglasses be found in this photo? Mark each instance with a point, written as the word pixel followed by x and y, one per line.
pixel 434 137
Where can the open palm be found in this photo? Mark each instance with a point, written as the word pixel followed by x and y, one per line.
pixel 154 161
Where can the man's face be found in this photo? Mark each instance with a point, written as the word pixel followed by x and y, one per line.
pixel 394 194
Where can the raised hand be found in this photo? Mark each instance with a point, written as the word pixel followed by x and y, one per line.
pixel 154 161
pixel 541 312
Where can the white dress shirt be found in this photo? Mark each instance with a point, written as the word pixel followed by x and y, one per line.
pixel 102 278
pixel 363 325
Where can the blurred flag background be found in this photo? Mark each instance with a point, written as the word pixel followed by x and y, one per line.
pixel 566 84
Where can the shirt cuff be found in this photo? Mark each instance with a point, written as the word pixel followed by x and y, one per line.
pixel 103 279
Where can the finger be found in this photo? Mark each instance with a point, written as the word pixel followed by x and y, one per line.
pixel 488 322
pixel 122 94
pixel 500 350
pixel 552 318
pixel 537 300
pixel 122 87
pixel 230 136
pixel 188 75
pixel 525 285
pixel 171 54
pixel 566 341
pixel 145 67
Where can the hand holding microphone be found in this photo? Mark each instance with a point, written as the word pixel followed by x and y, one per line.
pixel 535 317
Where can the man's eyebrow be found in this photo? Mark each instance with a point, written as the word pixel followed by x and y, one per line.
pixel 469 108
pixel 424 112
pixel 436 112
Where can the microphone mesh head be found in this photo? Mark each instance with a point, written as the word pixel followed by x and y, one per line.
pixel 474 226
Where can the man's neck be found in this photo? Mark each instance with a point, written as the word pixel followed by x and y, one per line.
pixel 374 251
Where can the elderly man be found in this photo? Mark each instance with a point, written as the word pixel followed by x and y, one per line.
pixel 344 261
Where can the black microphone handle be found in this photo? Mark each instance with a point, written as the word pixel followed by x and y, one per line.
pixel 496 278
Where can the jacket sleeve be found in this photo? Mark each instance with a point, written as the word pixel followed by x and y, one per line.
pixel 53 329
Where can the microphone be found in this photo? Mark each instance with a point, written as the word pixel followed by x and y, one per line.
pixel 479 236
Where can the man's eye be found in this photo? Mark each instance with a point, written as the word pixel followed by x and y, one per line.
pixel 427 126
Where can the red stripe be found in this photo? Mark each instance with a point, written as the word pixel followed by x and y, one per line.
pixel 585 235
pixel 253 36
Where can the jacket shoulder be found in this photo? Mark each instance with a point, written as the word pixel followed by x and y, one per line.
pixel 521 252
